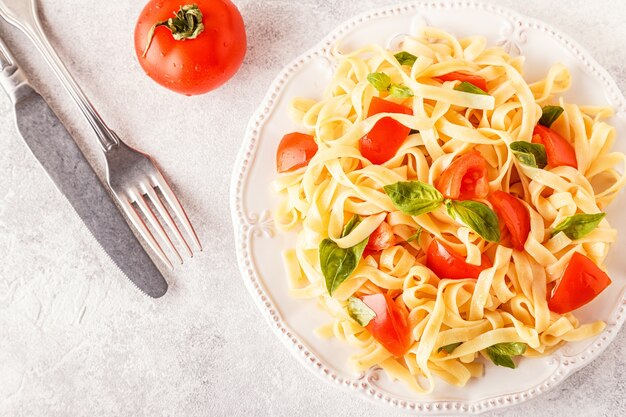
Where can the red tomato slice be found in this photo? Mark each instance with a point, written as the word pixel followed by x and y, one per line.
pixel 514 215
pixel 381 238
pixel 581 282
pixel 558 149
pixel 446 263
pixel 477 80
pixel 390 326
pixel 465 178
pixel 294 151
pixel 387 135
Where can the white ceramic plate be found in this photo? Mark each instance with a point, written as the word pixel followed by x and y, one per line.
pixel 258 246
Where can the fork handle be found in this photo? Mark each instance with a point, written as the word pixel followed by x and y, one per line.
pixel 30 24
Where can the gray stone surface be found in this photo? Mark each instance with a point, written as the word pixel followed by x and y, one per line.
pixel 75 339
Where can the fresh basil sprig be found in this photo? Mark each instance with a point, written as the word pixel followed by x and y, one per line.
pixel 531 154
pixel 414 197
pixel 502 354
pixel 477 216
pixel 338 263
pixel 549 114
pixel 449 348
pixel 470 88
pixel 579 225
pixel 382 82
pixel 359 311
pixel 405 58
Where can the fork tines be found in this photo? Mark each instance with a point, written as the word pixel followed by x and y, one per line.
pixel 147 208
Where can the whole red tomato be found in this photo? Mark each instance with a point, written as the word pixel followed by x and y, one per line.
pixel 190 47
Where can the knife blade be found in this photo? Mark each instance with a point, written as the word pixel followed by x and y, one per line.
pixel 65 164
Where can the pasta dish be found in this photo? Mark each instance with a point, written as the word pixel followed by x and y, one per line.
pixel 448 211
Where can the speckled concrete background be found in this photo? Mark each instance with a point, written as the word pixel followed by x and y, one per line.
pixel 76 340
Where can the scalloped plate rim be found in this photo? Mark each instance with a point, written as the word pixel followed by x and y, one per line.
pixel 242 228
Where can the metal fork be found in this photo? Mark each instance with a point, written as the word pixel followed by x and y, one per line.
pixel 131 175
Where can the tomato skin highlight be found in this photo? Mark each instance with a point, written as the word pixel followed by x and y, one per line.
pixel 390 327
pixel 445 262
pixel 581 282
pixel 558 150
pixel 295 150
pixel 192 66
pixel 465 178
pixel 515 216
pixel 381 238
pixel 477 80
pixel 382 142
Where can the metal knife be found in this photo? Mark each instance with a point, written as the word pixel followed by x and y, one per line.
pixel 68 168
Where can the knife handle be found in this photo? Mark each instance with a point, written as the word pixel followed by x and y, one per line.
pixel 12 78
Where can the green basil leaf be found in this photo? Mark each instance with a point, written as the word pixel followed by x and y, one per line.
pixel 359 248
pixel 405 58
pixel 352 223
pixel 338 263
pixel 416 236
pixel 477 216
pixel 379 80
pixel 579 225
pixel 470 88
pixel 414 197
pixel 450 348
pixel 531 154
pixel 501 360
pixel 501 353
pixel 400 91
pixel 359 311
pixel 526 159
pixel 549 114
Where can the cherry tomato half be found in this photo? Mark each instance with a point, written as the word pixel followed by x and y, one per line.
pixel 445 262
pixel 515 216
pixel 477 80
pixel 295 150
pixel 465 178
pixel 390 326
pixel 558 150
pixel 193 65
pixel 381 238
pixel 387 135
pixel 581 282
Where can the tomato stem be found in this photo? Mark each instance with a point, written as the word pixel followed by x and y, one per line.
pixel 187 24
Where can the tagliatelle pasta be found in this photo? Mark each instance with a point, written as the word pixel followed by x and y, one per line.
pixel 508 301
